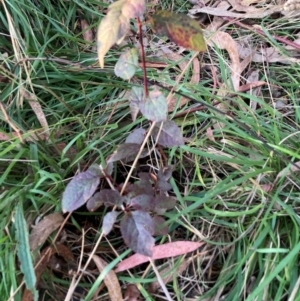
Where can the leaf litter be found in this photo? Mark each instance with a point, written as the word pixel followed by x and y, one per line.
pixel 167 250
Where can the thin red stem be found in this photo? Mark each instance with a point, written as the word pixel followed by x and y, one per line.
pixel 143 57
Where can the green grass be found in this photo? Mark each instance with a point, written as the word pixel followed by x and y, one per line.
pixel 251 233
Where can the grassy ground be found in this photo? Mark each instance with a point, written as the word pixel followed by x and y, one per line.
pixel 232 193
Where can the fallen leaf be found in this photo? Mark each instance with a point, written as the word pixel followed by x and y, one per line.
pixel 87 32
pixel 292 5
pixel 162 251
pixel 111 281
pixel 37 109
pixel 224 41
pixel 210 134
pixel 132 293
pixel 218 21
pixel 215 11
pixel 43 229
pixel 179 28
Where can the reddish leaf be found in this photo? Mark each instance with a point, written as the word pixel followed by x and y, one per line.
pixel 162 251
pixel 81 188
pixel 159 230
pixel 108 221
pixel 155 107
pixel 127 64
pixel 126 152
pixel 137 136
pixel 142 202
pixel 137 228
pixel 170 135
pixel 179 28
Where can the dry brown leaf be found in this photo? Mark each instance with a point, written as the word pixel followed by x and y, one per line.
pixel 292 5
pixel 111 280
pixel 43 229
pixel 253 78
pixel 210 134
pixel 224 41
pixel 132 293
pixel 215 11
pixel 238 6
pixel 270 55
pixel 37 109
pixel 87 32
pixel 218 21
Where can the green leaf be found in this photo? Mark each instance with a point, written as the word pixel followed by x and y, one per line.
pixel 127 64
pixel 179 28
pixel 23 248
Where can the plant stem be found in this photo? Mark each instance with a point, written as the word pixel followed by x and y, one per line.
pixel 143 57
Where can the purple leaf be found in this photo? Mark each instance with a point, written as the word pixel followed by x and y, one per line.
pixel 169 136
pixel 141 187
pixel 164 202
pixel 127 152
pixel 81 188
pixel 163 185
pixel 136 96
pixel 165 173
pixel 142 202
pixel 144 176
pixel 159 230
pixel 108 221
pixel 137 228
pixel 137 136
pixel 155 107
pixel 94 202
pixel 111 197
